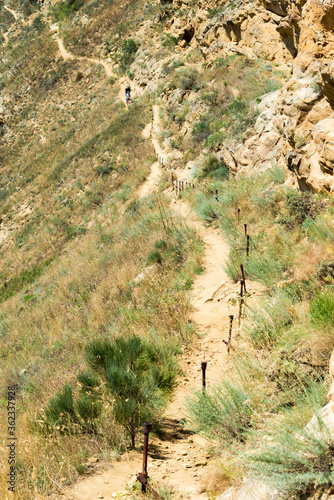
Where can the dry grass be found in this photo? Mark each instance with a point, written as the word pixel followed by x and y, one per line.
pixel 83 294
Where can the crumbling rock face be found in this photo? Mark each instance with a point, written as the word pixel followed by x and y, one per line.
pixel 294 128
pixel 267 29
pixel 327 83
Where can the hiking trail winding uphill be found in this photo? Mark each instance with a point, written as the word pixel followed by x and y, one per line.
pixel 178 457
pixel 15 14
pixel 68 56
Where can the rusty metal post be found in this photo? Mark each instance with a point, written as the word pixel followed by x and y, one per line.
pixel 241 300
pixel 241 288
pixel 245 226
pixel 217 195
pixel 247 245
pixel 146 429
pixel 182 185
pixel 172 178
pixel 243 276
pixel 230 334
pixel 238 215
pixel 203 366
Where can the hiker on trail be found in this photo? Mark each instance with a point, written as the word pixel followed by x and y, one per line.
pixel 127 95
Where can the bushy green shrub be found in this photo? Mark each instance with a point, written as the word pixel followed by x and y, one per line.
pixel 269 319
pixel 303 205
pixel 296 461
pixel 154 257
pixel 201 130
pixel 213 168
pixel 189 79
pixel 67 414
pixel 65 8
pixel 127 53
pixel 322 308
pixel 223 413
pixel 135 375
pixel 276 174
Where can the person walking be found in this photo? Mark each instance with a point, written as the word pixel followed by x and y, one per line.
pixel 127 95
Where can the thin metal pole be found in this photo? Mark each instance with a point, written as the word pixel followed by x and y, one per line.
pixel 238 215
pixel 243 276
pixel 146 429
pixel 247 246
pixel 245 226
pixel 241 300
pixel 203 366
pixel 230 334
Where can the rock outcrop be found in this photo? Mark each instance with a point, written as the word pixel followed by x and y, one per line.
pixel 294 128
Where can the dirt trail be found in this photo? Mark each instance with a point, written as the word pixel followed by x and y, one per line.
pixel 178 457
pixel 68 56
pixel 15 14
pixel 102 483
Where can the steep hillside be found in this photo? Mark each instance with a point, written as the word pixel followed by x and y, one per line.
pixel 134 226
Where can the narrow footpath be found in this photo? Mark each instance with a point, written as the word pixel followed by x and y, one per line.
pixel 178 458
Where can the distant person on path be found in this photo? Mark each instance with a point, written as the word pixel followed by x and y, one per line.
pixel 127 95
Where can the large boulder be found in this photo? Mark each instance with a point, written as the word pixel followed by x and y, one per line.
pixel 251 490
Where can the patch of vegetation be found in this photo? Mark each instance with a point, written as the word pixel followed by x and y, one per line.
pixel 214 169
pixel 62 10
pixel 126 54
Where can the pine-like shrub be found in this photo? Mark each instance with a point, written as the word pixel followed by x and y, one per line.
pixel 137 377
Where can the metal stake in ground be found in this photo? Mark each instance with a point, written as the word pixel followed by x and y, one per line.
pixel 203 366
pixel 230 334
pixel 243 277
pixel 238 215
pixel 241 300
pixel 146 429
pixel 172 178
pixel 245 226
pixel 247 245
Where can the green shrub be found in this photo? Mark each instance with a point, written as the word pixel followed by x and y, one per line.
pixel 268 265
pixel 269 319
pixel 66 414
pixel 64 9
pixel 154 257
pixel 169 41
pixel 223 413
pixel 237 106
pixel 302 206
pixel 276 174
pixel 189 79
pixel 201 130
pixel 136 377
pixel 213 168
pixel 105 169
pixel 207 208
pixel 322 309
pixel 127 54
pixel 72 231
pixel 297 461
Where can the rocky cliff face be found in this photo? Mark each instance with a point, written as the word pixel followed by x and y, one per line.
pixel 295 127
